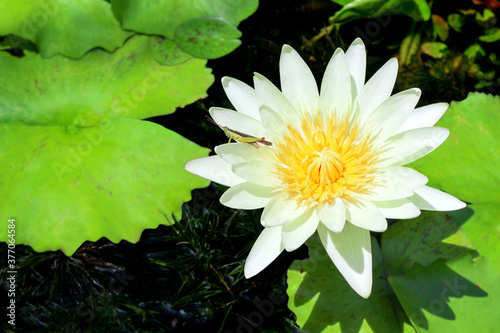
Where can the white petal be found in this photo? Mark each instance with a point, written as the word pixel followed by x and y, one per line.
pixel 388 117
pixel 242 96
pixel 215 169
pixel 266 248
pixel 275 123
pixel 258 172
pixel 281 210
pixel 425 116
pixel 247 196
pixel 398 209
pixel 406 147
pixel 235 153
pixel 333 215
pixel 356 60
pixel 297 81
pixel 238 122
pixel 428 198
pixel 335 97
pixel 364 214
pixel 393 183
pixel 351 251
pixel 412 178
pixel 377 89
pixel 269 95
pixel 295 233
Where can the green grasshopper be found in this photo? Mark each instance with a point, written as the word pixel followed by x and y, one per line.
pixel 241 137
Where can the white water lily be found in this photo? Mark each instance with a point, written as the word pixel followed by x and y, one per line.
pixel 336 160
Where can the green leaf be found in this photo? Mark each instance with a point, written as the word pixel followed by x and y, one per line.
pixel 162 17
pixel 487 19
pixel 492 35
pixel 474 51
pixel 166 51
pixel 409 242
pixel 486 84
pixel 68 185
pixel 430 268
pixel 324 302
pixel 71 28
pixel 440 27
pixel 453 296
pixel 435 49
pixel 207 37
pixel 342 2
pixel 71 169
pixel 100 87
pixel 482 230
pixel 409 47
pixel 418 9
pixel 456 21
pixel 466 166
pixel 494 59
pixel 15 42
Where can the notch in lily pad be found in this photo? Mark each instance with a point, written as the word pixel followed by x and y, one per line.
pixel 207 37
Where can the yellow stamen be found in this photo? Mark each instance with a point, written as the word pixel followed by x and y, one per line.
pixel 324 159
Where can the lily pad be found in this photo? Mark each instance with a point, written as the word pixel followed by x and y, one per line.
pixel 420 241
pixel 491 35
pixel 72 168
pixel 466 166
pixel 207 37
pixel 427 262
pixel 166 51
pixel 324 302
pixel 486 19
pixel 162 17
pixel 435 49
pixel 71 28
pixel 64 186
pixel 443 286
pixel 98 88
pixel 15 42
pixel 456 21
pixel 474 51
pixel 439 279
pixel 449 297
pixel 440 27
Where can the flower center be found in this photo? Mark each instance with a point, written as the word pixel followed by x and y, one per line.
pixel 324 167
pixel 323 159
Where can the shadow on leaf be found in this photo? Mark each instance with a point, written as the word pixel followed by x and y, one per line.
pixel 430 288
pixel 320 296
pixel 414 271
